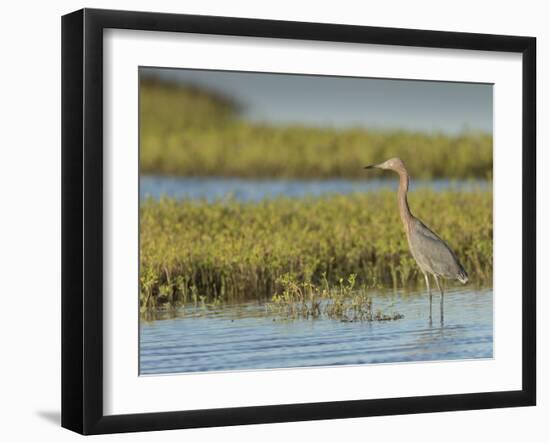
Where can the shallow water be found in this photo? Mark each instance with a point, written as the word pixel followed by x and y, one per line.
pixel 254 190
pixel 247 336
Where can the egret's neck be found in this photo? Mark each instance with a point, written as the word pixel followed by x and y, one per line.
pixel 404 211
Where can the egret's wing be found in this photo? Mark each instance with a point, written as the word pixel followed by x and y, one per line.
pixel 424 230
pixel 434 252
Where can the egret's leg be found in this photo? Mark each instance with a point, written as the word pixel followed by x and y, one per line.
pixel 441 302
pixel 429 292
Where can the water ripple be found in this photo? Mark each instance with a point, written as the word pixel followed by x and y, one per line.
pixel 242 337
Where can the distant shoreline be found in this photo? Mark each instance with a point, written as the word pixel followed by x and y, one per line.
pixel 193 133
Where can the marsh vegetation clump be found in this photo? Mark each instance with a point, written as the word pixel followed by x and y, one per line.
pixel 345 302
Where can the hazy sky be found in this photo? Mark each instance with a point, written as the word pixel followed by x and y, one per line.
pixel 345 102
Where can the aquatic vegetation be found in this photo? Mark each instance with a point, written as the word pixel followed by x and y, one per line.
pixel 195 132
pixel 345 302
pixel 194 250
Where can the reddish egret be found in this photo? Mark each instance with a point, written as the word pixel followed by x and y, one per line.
pixel 431 253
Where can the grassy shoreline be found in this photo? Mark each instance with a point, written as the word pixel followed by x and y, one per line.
pixel 194 250
pixel 193 132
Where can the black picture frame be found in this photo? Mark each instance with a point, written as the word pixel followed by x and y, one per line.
pixel 82 220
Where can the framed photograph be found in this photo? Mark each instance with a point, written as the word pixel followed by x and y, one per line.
pixel 269 221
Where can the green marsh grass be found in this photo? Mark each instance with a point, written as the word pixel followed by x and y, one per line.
pixel 200 252
pixel 195 132
pixel 344 301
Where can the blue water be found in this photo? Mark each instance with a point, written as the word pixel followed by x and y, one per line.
pixel 212 189
pixel 248 336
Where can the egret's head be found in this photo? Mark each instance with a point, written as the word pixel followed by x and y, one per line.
pixel 395 164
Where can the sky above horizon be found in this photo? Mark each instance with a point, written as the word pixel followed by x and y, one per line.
pixel 343 102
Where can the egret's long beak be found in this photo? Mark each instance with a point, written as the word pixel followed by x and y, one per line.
pixel 371 166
